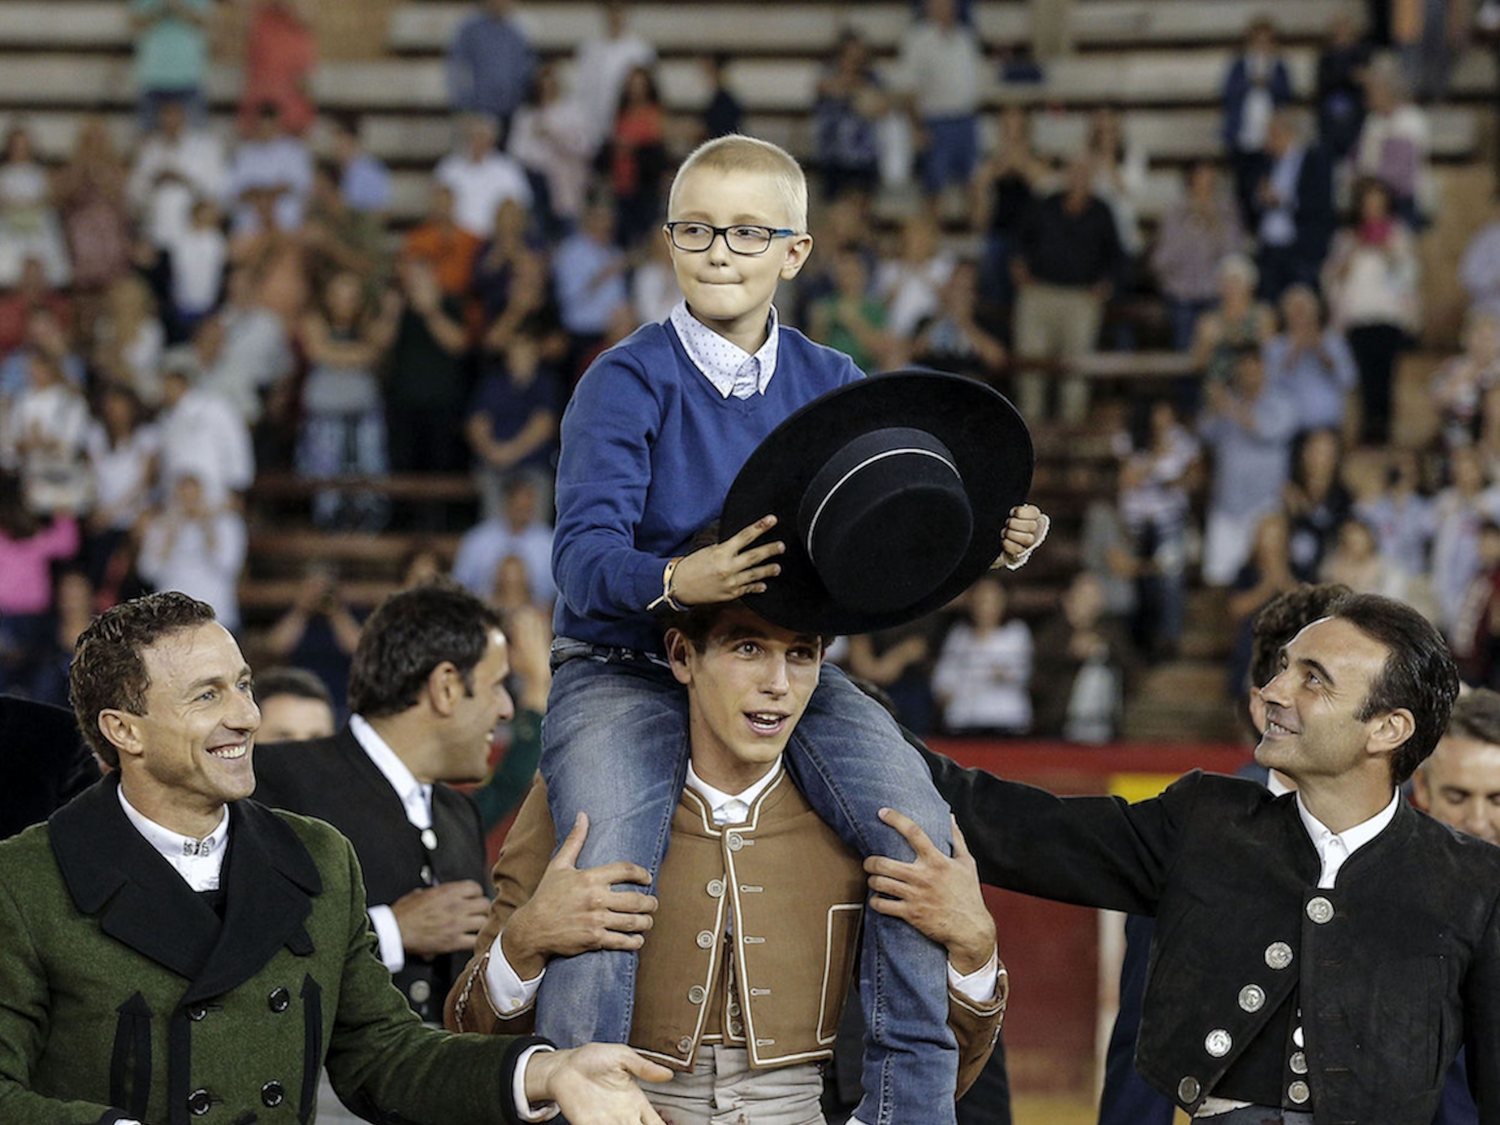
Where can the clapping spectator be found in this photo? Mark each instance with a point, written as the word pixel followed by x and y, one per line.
pixel 1394 142
pixel 339 238
pixel 318 632
pixel 481 177
pixel 1240 321
pixel 942 69
pixel 29 226
pixel 588 272
pixel 123 451
pixel 281 52
pixel 500 257
pixel 1340 91
pixel 909 284
pixel 846 120
pixel 129 339
pixel 171 54
pixel 364 181
pixel 1460 383
pixel 203 435
pixel 517 530
pixel 512 421
pixel 426 384
pixel 42 437
pixel 1256 85
pixel 1314 363
pixel 637 153
pixel 1003 188
pixel 1372 291
pixel 1197 235
pixel 983 673
pixel 1461 509
pixel 440 244
pixel 244 350
pixel 850 318
pixel 270 161
pixel 28 548
pixel 602 65
pixel 1402 518
pixel 530 307
pixel 177 166
pixel 490 63
pixel 552 139
pixel 958 336
pixel 1315 501
pixel 90 194
pixel 196 546
pixel 1079 686
pixel 1293 208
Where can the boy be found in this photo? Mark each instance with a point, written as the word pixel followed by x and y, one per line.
pixel 655 434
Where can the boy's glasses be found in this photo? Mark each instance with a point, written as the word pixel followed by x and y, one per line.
pixel 745 239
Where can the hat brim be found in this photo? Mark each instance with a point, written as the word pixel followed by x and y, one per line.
pixel 991 448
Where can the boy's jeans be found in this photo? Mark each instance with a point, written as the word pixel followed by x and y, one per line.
pixel 614 745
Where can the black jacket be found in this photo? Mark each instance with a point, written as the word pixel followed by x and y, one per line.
pixel 1394 967
pixel 334 779
pixel 44 763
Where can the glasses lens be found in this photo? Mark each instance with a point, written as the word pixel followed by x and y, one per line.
pixel 749 240
pixel 692 237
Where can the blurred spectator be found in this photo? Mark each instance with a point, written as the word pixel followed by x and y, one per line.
pixel 1340 94
pixel 47 337
pixel 899 662
pixel 942 69
pixel 1315 501
pixel 442 245
pixel 295 706
pixel 512 592
pixel 724 113
pixel 530 307
pixel 122 449
pixel 958 336
pixel 422 564
pixel 840 224
pixel 28 548
pixel 343 423
pixel 364 181
pixel 909 284
pixel 199 257
pixel 426 384
pixel 1459 384
pixel 1265 573
pixel 281 52
pixel 552 139
pixel 129 339
pixel 1256 85
pixel 1107 553
pixel 602 65
pixel 1197 235
pixel 653 284
pixel 850 318
pixel 318 632
pixel 273 259
pixel 196 546
pixel 1247 425
pixel 1294 208
pixel 1003 188
pixel 481 178
pixel 171 54
pixel 1239 322
pixel 588 272
pixel 517 530
pixel 1430 34
pixel 1356 561
pixel 1461 508
pixel 243 351
pixel 31 294
pixel 512 419
pixel 1479 270
pixel 1476 641
pixel 1394 142
pixel 1487 436
pixel 637 156
pixel 1119 174
pixel 1068 257
pixel 73 611
pixel 1314 363
pixel 175 166
pixel 500 257
pixel 983 673
pixel 202 436
pixel 270 160
pixel 29 227
pixel 490 63
pixel 90 194
pixel 338 238
pixel 41 437
pixel 1079 686
pixel 1372 290
pixel 846 119
pixel 1402 518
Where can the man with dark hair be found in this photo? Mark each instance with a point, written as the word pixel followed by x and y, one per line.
pixel 174 950
pixel 426 690
pixel 1286 984
pixel 295 706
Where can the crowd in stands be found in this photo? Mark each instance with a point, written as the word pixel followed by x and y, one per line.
pixel 182 312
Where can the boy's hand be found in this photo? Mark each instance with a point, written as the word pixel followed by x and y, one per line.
pixel 727 570
pixel 1023 533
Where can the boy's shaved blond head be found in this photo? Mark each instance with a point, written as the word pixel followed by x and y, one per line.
pixel 738 153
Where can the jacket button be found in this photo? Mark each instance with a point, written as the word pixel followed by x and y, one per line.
pixel 279 1000
pixel 1218 1043
pixel 1298 1062
pixel 1252 998
pixel 1278 955
pixel 1297 1035
pixel 1298 1092
pixel 736 842
pixel 1320 910
pixel 685 1044
pixel 199 1102
pixel 1188 1089
pixel 737 1029
pixel 696 994
pixel 706 939
pixel 716 888
pixel 419 991
pixel 197 1012
pixel 272 1094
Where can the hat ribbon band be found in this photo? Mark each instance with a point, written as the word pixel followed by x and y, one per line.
pixel 812 525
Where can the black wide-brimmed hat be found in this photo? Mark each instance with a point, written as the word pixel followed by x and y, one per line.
pixel 891 494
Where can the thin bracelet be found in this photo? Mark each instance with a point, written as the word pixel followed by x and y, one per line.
pixel 666 598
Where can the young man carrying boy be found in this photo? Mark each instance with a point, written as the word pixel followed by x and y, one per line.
pixel 656 432
pixel 747 1025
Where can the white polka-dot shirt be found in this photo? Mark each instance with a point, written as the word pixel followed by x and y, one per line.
pixel 730 368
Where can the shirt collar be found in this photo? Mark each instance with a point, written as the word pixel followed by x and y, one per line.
pixel 199 861
pixel 721 361
pixel 1352 838
pixel 721 804
pixel 414 795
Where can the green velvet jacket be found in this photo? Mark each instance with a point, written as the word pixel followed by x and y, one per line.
pixel 124 996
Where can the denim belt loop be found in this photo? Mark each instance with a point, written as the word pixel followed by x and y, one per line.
pixel 565 649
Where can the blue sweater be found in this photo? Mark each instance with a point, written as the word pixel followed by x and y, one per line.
pixel 649 450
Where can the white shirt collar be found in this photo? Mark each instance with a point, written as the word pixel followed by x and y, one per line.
pixel 1275 784
pixel 730 808
pixel 723 362
pixel 416 798
pixel 198 861
pixel 1334 848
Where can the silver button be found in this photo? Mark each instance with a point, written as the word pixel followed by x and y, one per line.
pixel 734 1009
pixel 716 888
pixel 1320 910
pixel 685 1044
pixel 706 939
pixel 420 990
pixel 1218 1043
pixel 1278 955
pixel 1188 1089
pixel 1252 998
pixel 696 994
pixel 735 842
pixel 737 1029
pixel 1298 1062
pixel 1297 1035
pixel 1298 1092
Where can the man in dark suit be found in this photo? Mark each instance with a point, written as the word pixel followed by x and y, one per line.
pixel 43 762
pixel 1294 215
pixel 175 951
pixel 1321 954
pixel 426 689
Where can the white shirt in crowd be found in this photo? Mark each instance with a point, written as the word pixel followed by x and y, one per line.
pixel 205 436
pixel 122 473
pixel 985 680
pixel 943 68
pixel 480 186
pixel 199 255
pixel 199 557
pixel 198 170
pixel 281 162
pixel 599 75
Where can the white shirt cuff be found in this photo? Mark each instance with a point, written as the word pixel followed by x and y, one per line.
pixel 524 1109
pixel 392 951
pixel 509 994
pixel 978 986
pixel 1041 537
